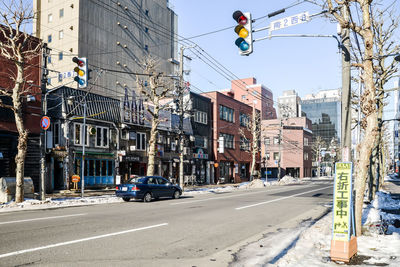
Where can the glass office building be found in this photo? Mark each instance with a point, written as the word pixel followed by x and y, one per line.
pixel 325 115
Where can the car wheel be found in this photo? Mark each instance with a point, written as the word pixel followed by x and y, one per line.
pixel 176 194
pixel 126 199
pixel 147 197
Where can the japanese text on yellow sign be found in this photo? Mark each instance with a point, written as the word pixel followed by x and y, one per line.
pixel 342 202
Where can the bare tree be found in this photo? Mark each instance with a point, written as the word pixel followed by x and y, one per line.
pixel 317 146
pixel 19 49
pixel 159 88
pixel 253 145
pixel 363 28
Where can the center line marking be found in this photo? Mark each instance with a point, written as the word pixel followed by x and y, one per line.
pixel 44 218
pixel 79 240
pixel 274 200
pixel 212 198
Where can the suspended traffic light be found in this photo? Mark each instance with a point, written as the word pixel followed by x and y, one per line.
pixel 81 71
pixel 244 31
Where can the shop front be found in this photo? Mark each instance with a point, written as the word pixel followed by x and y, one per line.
pixel 99 169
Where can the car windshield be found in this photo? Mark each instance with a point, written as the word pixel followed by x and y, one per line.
pixel 137 180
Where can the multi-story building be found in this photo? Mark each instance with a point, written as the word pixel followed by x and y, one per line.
pixel 287 144
pixel 31 110
pixel 289 105
pixel 248 91
pixel 114 36
pixel 201 121
pixel 324 111
pixel 230 118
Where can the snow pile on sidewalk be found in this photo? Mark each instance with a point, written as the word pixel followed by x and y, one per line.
pixel 49 203
pixel 289 180
pixel 309 244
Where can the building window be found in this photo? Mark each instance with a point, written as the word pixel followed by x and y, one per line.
pixel 305 141
pixel 200 117
pixel 60 56
pixel 200 141
pixel 102 136
pixel 226 114
pixel 49 38
pixel 228 140
pixel 79 133
pixel 56 134
pixel 146 48
pixel 147 12
pixel 243 97
pixel 267 155
pixel 267 141
pixel 305 156
pixel 61 12
pixel 244 119
pixel 49 59
pixel 276 140
pixel 276 155
pixel 61 34
pixel 146 30
pixel 244 144
pixel 50 17
pixel 140 141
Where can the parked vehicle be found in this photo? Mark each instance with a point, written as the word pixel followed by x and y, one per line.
pixel 146 188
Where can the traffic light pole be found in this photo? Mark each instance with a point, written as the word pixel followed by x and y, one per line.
pixel 83 149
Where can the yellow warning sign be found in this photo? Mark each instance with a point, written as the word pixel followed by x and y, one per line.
pixel 342 205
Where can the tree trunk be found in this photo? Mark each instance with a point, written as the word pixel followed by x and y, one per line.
pixel 22 132
pixel 254 150
pixel 153 137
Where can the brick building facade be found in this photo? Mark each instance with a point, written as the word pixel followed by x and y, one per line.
pixel 295 147
pixel 230 115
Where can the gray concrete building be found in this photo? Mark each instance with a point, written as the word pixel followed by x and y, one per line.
pixel 113 35
pixel 289 104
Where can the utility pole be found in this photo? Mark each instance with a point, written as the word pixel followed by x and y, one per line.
pixel 346 90
pixel 181 89
pixel 181 134
pixel 45 52
pixel 280 146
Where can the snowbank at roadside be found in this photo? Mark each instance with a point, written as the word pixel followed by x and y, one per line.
pixel 309 243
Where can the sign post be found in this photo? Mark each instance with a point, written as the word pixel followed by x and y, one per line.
pixel 75 179
pixel 344 241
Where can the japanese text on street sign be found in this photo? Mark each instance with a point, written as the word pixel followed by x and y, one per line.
pixel 342 204
pixel 289 21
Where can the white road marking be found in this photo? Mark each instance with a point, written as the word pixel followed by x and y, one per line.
pixel 44 218
pixel 79 240
pixel 212 198
pixel 282 198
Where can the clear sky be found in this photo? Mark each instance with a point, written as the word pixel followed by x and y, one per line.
pixel 306 65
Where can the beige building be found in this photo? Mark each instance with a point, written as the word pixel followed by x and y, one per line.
pixel 114 36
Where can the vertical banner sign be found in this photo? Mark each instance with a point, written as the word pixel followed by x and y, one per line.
pixel 342 202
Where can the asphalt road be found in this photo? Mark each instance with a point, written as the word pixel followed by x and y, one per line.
pixel 203 230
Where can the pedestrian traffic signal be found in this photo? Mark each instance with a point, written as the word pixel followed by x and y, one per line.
pixel 81 71
pixel 244 31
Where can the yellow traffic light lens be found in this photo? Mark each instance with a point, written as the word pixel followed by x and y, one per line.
pixel 79 71
pixel 241 31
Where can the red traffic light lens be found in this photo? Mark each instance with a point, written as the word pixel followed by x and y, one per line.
pixel 79 62
pixel 239 17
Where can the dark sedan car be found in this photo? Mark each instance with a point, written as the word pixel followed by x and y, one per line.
pixel 147 188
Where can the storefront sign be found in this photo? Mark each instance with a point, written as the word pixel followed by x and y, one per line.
pixel 200 154
pixel 342 204
pixel 131 158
